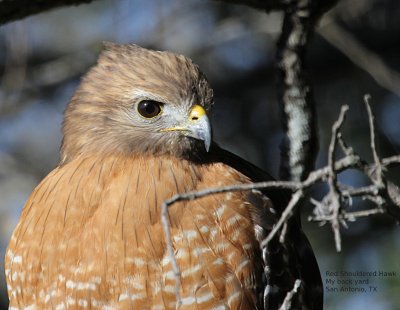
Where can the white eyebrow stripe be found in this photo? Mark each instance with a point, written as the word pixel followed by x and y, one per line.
pixel 142 94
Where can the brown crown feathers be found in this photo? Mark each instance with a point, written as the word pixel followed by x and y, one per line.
pixel 102 115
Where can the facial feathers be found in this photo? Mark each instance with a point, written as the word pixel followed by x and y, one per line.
pixel 103 118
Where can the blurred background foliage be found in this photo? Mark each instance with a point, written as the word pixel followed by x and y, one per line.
pixel 356 50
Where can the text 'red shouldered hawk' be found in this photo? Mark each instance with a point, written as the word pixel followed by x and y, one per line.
pixel 90 236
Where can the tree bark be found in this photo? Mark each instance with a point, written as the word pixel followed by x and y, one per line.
pixel 299 145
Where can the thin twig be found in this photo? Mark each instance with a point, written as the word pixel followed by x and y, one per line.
pixel 350 216
pixel 334 194
pixel 387 197
pixel 391 160
pixel 287 303
pixel 282 236
pixel 198 194
pixel 321 174
pixel 347 150
pixel 177 273
pixel 378 166
pixel 284 217
pixel 360 191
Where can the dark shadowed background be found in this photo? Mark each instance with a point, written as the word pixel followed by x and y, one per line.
pixel 355 51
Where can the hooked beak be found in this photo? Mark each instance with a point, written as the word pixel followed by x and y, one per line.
pixel 199 126
pixel 196 126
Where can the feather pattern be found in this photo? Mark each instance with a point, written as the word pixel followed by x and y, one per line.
pixel 103 245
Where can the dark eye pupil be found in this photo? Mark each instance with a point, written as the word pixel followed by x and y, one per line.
pixel 149 108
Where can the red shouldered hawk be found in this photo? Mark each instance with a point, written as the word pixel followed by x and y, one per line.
pixel 90 236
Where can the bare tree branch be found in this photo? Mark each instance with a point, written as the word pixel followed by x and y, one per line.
pixel 360 55
pixel 11 10
pixel 350 216
pixel 379 177
pixel 334 194
pixel 384 194
pixel 300 144
pixel 330 209
pixel 286 214
pixel 299 147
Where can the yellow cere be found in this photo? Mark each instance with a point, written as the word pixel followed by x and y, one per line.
pixel 197 112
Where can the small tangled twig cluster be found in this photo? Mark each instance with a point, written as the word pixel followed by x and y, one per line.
pixel 382 193
pixel 332 208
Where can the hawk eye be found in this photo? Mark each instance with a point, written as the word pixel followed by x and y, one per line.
pixel 149 108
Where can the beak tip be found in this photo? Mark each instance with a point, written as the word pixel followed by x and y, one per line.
pixel 207 145
pixel 205 137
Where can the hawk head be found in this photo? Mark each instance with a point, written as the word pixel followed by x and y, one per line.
pixel 138 101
